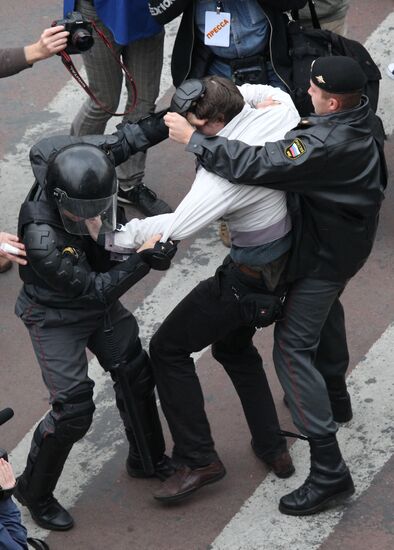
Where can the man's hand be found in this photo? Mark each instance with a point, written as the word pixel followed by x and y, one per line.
pixel 7 478
pixel 12 240
pixel 51 42
pixel 269 102
pixel 93 226
pixel 179 128
pixel 150 243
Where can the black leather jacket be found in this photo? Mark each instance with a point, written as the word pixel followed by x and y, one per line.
pixel 190 58
pixel 334 170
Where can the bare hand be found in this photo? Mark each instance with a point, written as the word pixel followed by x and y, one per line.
pixel 269 102
pixel 13 241
pixel 51 42
pixel 150 243
pixel 7 478
pixel 93 226
pixel 179 128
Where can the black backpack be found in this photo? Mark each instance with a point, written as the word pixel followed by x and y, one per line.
pixel 306 45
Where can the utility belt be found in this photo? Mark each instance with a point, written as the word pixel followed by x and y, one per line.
pixel 261 300
pixel 249 70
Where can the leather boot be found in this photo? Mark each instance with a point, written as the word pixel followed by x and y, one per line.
pixel 329 479
pixel 35 486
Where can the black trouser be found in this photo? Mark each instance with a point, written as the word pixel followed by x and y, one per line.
pixel 210 314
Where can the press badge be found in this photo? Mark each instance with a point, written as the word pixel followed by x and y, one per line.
pixel 217 28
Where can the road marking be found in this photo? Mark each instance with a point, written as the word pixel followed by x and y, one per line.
pixel 366 442
pixel 380 46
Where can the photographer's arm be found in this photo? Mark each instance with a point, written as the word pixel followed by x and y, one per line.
pixel 15 60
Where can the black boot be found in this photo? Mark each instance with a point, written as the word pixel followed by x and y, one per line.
pixel 340 399
pixel 329 479
pixel 36 485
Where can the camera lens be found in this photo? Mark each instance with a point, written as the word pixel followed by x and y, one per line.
pixel 82 40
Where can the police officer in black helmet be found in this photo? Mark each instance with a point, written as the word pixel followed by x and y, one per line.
pixel 69 302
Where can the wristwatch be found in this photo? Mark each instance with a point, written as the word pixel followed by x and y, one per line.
pixel 6 493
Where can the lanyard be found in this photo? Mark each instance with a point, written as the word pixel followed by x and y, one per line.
pixel 219 6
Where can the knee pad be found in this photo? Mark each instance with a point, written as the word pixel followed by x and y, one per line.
pixel 74 417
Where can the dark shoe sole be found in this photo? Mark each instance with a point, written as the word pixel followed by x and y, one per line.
pixel 337 498
pixel 185 494
pixel 50 526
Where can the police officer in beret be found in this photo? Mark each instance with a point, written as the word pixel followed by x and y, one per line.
pixel 333 167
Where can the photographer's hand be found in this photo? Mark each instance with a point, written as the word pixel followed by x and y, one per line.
pixel 7 478
pixel 51 42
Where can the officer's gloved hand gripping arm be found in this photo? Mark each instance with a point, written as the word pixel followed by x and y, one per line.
pixel 66 269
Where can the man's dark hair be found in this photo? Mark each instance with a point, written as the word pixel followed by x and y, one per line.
pixel 221 101
pixel 346 101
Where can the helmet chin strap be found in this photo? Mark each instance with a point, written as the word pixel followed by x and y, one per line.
pixel 186 96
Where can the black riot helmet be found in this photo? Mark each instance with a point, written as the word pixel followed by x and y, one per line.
pixel 82 181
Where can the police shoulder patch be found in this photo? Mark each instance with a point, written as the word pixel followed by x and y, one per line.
pixel 295 150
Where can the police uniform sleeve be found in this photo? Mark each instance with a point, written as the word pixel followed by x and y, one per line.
pixel 67 270
pixel 291 164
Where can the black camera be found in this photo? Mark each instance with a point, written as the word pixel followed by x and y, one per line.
pixel 80 38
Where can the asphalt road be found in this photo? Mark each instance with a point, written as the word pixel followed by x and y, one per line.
pixel 240 512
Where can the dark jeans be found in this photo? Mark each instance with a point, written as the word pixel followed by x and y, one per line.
pixel 210 314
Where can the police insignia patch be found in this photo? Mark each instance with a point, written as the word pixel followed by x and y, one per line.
pixel 295 150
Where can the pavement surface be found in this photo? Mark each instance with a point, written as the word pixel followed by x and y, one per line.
pixel 112 510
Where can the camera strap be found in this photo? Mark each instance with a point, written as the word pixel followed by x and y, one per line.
pixel 68 63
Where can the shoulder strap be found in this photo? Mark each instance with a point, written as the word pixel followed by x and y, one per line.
pixel 314 17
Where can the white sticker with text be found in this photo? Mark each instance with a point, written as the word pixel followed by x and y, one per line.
pixel 217 29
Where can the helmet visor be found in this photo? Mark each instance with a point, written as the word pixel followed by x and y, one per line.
pixel 76 214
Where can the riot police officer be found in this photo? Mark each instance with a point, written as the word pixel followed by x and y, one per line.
pixel 69 302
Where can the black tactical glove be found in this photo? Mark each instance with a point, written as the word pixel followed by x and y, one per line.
pixel 159 257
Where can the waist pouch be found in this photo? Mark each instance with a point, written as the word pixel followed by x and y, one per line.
pixel 257 305
pixel 260 310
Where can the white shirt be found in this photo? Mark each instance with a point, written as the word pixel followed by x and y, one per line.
pixel 256 215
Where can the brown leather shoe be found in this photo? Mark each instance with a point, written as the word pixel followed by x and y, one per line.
pixel 185 481
pixel 5 265
pixel 282 465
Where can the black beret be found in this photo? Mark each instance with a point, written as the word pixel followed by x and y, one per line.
pixel 338 74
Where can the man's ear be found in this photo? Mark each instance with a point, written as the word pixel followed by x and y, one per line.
pixel 334 104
